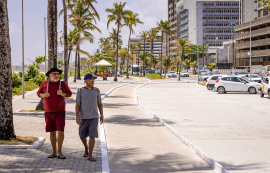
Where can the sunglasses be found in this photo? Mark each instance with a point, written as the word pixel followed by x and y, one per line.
pixel 55 74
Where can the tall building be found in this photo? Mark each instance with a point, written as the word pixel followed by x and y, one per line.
pixel 248 7
pixel 260 40
pixel 207 22
pixel 172 17
pixel 156 48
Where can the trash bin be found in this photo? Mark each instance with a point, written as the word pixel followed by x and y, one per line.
pixel 104 77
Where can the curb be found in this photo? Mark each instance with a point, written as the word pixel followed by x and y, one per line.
pixel 34 145
pixel 103 142
pixel 215 165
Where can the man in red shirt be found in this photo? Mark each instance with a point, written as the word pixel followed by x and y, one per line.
pixel 53 91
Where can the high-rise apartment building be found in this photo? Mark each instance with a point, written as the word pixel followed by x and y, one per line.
pixel 260 40
pixel 207 22
pixel 172 17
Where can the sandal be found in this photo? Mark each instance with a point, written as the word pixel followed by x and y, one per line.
pixel 51 156
pixel 61 157
pixel 85 155
pixel 92 159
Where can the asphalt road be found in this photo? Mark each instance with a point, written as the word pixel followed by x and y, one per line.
pixel 231 128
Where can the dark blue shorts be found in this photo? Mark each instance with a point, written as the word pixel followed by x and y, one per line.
pixel 88 127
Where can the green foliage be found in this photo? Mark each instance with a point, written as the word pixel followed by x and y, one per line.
pixel 38 79
pixel 155 76
pixel 84 72
pixel 29 86
pixel 211 65
pixel 16 80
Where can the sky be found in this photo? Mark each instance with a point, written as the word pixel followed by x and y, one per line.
pixel 151 12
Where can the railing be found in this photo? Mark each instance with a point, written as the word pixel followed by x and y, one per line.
pixel 263 42
pixel 255 33
pixel 256 22
pixel 254 53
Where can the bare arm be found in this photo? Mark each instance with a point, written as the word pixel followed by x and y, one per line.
pixel 77 109
pixel 100 108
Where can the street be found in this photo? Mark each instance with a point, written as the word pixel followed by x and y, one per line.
pixel 231 128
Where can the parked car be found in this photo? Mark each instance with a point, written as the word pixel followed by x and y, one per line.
pixel 265 89
pixel 236 84
pixel 237 73
pixel 211 81
pixel 172 74
pixel 253 78
pixel 204 76
pixel 215 72
pixel 184 74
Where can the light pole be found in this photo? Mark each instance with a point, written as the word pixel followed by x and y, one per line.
pixel 45 42
pixel 57 46
pixel 22 54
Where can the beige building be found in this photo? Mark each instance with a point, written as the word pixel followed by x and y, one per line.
pixel 260 40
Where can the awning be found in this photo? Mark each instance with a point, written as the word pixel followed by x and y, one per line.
pixel 103 62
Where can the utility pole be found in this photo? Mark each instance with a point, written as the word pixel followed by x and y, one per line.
pixel 22 54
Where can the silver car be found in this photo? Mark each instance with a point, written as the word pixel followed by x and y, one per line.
pixel 172 74
pixel 211 81
pixel 236 84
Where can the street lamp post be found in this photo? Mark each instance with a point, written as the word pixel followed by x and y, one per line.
pixel 22 54
pixel 250 48
pixel 45 43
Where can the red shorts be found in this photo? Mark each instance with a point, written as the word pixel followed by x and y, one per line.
pixel 55 121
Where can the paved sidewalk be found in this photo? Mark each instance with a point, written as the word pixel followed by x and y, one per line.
pixel 31 160
pixel 137 143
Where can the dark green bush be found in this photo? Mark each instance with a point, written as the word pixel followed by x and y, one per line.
pixel 16 80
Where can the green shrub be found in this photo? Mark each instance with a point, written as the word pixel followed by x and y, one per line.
pixel 28 86
pixel 155 76
pixel 84 72
pixel 38 79
pixel 16 80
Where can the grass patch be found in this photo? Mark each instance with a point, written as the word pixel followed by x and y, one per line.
pixel 155 76
pixel 31 111
pixel 19 140
pixel 202 84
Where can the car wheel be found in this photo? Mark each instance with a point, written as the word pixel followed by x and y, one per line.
pixel 221 90
pixel 252 90
pixel 261 94
pixel 208 87
pixel 269 94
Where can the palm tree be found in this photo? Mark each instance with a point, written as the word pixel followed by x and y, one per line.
pixel 132 49
pixel 154 61
pixel 186 63
pixel 119 15
pixel 131 20
pixel 66 58
pixel 164 28
pixel 81 17
pixel 194 65
pixel 151 36
pixel 6 113
pixel 167 63
pixel 143 35
pixel 181 45
pixel 123 55
pixel 52 33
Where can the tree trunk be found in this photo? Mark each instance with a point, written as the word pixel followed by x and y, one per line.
pixel 66 57
pixel 6 113
pixel 161 55
pixel 180 62
pixel 116 65
pixel 52 33
pixel 128 52
pixel 143 57
pixel 75 72
pixel 79 65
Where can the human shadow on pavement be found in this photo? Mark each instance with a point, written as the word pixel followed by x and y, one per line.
pixel 126 160
pixel 132 121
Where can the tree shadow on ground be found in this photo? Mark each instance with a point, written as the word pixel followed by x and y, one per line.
pixel 247 166
pixel 132 121
pixel 117 105
pixel 124 160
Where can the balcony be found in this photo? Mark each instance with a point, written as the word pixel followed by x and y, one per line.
pixel 254 33
pixel 257 22
pixel 184 21
pixel 254 54
pixel 258 43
